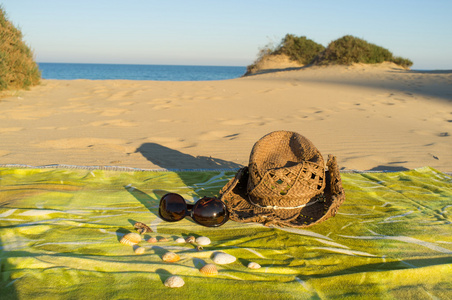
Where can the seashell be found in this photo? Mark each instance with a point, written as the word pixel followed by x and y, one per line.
pixel 202 240
pixel 199 248
pixel 209 269
pixel 174 282
pixel 222 258
pixel 180 240
pixel 130 239
pixel 163 239
pixel 170 257
pixel 140 250
pixel 142 228
pixel 190 239
pixel 254 266
pixel 152 240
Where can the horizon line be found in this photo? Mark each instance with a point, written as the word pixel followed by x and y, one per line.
pixel 138 64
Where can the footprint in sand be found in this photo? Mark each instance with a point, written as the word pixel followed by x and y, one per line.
pixel 113 112
pixel 4 153
pixel 122 95
pixel 313 113
pixel 52 128
pixel 31 114
pixel 10 129
pixel 169 121
pixel 127 103
pixel 217 135
pixel 70 143
pixel 162 103
pixel 116 122
pixel 79 98
pixel 244 122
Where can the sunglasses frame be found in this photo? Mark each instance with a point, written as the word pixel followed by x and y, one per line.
pixel 190 208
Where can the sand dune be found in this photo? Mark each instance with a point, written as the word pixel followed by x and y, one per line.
pixel 371 117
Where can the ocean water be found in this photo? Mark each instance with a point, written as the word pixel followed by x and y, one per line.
pixel 138 72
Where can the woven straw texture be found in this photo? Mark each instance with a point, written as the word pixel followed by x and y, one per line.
pixel 285 172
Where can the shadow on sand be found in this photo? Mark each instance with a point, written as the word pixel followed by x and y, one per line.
pixel 168 158
pixel 402 84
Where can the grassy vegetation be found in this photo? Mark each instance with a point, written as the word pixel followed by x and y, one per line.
pixel 343 51
pixel 18 70
pixel 349 49
pixel 299 49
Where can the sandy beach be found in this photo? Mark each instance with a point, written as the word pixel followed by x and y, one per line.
pixel 371 117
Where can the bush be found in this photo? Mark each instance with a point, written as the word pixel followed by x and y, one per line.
pixel 349 49
pixel 299 49
pixel 404 62
pixel 18 70
pixel 344 51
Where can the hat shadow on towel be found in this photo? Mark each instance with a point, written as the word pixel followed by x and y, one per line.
pixel 171 159
pixel 168 158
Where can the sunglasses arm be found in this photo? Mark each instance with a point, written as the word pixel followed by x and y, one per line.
pixel 189 211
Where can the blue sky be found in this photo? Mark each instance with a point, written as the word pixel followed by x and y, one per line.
pixel 229 32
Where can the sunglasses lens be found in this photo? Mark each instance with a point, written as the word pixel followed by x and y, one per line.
pixel 210 212
pixel 172 207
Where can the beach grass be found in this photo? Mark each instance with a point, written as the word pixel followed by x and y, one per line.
pixel 300 49
pixel 349 49
pixel 346 50
pixel 18 70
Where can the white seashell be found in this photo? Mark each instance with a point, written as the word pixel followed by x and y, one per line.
pixel 174 282
pixel 180 240
pixel 170 257
pixel 209 269
pixel 131 239
pixel 202 241
pixel 254 266
pixel 140 250
pixel 222 258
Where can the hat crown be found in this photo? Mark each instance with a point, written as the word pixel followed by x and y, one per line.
pixel 285 170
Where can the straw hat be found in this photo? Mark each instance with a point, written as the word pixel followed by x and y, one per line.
pixel 285 184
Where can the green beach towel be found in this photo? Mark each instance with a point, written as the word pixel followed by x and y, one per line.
pixel 60 230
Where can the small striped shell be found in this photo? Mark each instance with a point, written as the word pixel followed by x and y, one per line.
pixel 152 240
pixel 209 269
pixel 222 258
pixel 130 239
pixel 142 228
pixel 170 257
pixel 190 239
pixel 254 266
pixel 174 282
pixel 202 241
pixel 140 250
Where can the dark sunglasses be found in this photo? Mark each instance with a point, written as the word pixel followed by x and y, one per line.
pixel 210 212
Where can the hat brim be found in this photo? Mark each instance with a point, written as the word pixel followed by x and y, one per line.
pixel 318 209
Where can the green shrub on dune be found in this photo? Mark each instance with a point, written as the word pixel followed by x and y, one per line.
pixel 18 70
pixel 349 49
pixel 300 49
pixel 343 51
pixel 297 49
